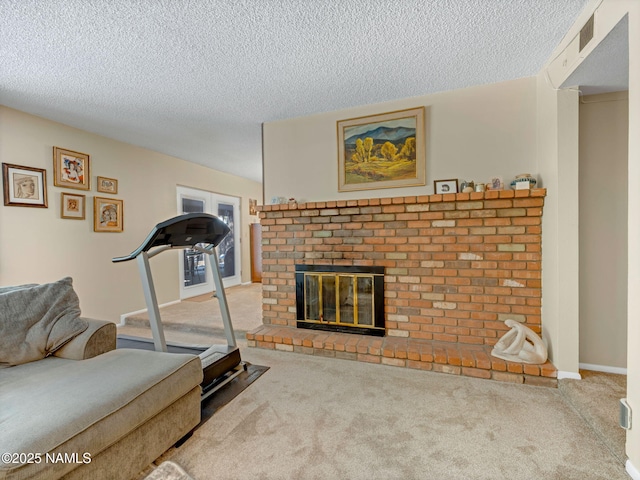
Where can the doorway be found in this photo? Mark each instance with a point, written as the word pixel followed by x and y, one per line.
pixel 603 231
pixel 194 269
pixel 603 81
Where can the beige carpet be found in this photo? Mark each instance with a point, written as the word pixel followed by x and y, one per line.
pixel 596 398
pixel 323 418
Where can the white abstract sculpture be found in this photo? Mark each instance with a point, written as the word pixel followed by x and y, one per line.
pixel 520 344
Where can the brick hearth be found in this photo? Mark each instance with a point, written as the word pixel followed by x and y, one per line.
pixel 456 267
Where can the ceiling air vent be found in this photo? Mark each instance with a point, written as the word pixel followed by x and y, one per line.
pixel 586 34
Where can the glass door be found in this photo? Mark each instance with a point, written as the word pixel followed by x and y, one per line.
pixel 195 271
pixel 228 210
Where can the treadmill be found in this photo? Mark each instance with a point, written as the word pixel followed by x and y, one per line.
pixel 200 232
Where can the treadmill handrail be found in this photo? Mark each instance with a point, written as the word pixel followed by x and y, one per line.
pixel 156 236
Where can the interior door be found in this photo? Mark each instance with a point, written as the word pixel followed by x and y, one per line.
pixel 194 269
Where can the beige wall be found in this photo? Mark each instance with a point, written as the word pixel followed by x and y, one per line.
pixel 475 133
pixel 501 129
pixel 604 132
pixel 36 245
pixel 472 134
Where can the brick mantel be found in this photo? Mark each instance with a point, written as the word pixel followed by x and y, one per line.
pixel 447 197
pixel 456 265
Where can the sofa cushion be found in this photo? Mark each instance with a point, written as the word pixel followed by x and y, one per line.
pixel 36 320
pixel 69 406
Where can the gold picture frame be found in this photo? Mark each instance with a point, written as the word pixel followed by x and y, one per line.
pixel 24 186
pixel 108 215
pixel 73 206
pixel 382 151
pixel 71 169
pixel 107 185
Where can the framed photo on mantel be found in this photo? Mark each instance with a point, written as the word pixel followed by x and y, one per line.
pixel 445 186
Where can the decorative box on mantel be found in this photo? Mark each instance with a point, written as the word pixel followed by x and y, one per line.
pixel 456 266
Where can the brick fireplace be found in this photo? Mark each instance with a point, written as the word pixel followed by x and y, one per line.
pixel 456 266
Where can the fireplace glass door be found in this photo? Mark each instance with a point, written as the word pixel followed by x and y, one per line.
pixel 364 290
pixel 339 298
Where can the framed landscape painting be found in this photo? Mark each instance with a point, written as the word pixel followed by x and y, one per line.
pixel 382 151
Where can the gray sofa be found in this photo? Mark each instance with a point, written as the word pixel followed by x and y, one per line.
pixel 91 411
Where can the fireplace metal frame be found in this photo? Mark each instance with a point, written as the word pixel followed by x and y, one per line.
pixel 377 273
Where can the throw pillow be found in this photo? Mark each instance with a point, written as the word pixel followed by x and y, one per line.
pixel 36 320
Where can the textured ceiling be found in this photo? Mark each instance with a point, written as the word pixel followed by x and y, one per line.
pixel 196 78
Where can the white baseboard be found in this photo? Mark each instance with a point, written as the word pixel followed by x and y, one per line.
pixel 571 375
pixel 603 368
pixel 632 471
pixel 123 317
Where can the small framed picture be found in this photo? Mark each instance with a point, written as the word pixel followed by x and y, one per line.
pixel 107 185
pixel 445 186
pixel 108 215
pixel 495 184
pixel 71 169
pixel 24 186
pixel 253 206
pixel 72 206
